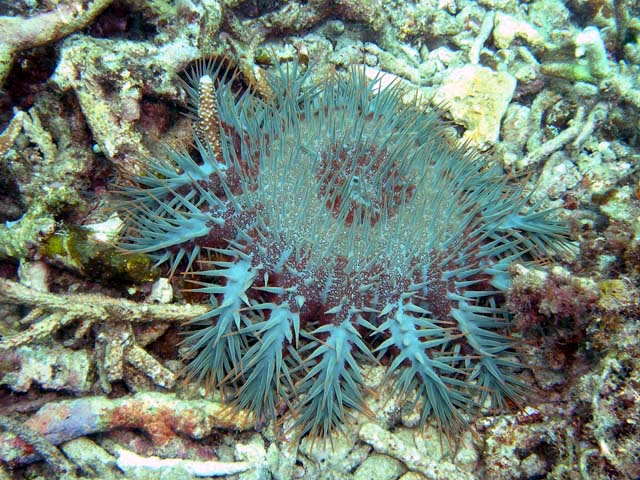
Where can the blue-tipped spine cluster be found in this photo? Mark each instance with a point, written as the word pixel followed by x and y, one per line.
pixel 331 227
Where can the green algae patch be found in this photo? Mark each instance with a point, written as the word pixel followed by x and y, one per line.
pixel 74 248
pixel 615 294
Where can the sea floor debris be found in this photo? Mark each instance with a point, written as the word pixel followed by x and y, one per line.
pixel 115 343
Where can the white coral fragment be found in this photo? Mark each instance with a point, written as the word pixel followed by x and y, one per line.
pixel 477 98
pixel 589 45
pixel 129 461
pixel 507 28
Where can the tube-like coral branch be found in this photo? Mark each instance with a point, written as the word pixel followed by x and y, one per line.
pixel 162 416
pixel 19 33
pixel 9 135
pixel 557 142
pixel 86 307
pixel 61 466
pixel 211 468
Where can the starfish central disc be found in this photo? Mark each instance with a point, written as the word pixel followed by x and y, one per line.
pixel 361 186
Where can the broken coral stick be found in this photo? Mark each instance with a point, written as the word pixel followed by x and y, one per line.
pixel 128 460
pixel 163 416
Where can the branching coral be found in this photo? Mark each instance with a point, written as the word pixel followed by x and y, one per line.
pixel 109 79
pixel 592 63
pixel 48 166
pixel 115 341
pixel 19 33
pixel 86 307
pixel 337 223
pixel 10 133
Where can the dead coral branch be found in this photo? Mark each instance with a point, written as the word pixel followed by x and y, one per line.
pixel 19 33
pixel 120 352
pixel 61 466
pixel 62 309
pixel 11 132
pixel 163 417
